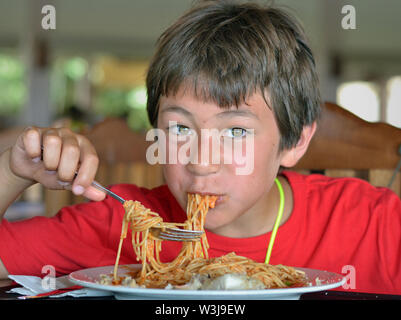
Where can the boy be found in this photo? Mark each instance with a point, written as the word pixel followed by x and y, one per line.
pixel 248 72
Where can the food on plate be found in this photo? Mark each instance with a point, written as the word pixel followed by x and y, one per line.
pixel 192 268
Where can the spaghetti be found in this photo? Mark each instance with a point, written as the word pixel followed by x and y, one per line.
pixel 193 257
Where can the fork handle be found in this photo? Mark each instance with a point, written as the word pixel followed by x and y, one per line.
pixel 110 193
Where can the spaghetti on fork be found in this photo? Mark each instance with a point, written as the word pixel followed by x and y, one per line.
pixel 193 258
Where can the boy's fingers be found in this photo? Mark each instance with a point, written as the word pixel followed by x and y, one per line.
pixel 31 140
pixel 52 144
pixel 69 160
pixel 90 192
pixel 89 163
pixel 71 157
pixel 94 194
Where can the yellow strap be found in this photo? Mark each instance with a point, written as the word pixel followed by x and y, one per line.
pixel 277 223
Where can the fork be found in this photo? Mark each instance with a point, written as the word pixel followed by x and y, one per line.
pixel 173 234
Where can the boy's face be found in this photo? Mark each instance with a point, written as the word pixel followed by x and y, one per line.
pixel 243 203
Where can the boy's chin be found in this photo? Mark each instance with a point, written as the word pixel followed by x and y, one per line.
pixel 214 224
pixel 210 224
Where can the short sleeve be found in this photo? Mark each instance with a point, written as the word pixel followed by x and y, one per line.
pixel 79 236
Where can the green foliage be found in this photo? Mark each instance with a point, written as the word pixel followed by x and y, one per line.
pixel 129 104
pixel 12 86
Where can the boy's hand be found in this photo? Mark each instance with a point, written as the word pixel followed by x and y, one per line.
pixel 53 156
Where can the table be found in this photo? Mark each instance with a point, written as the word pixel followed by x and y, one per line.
pixel 323 295
pixel 333 303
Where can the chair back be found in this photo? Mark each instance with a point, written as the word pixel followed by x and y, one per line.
pixel 346 146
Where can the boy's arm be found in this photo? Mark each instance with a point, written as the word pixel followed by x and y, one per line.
pixel 11 185
pixel 51 157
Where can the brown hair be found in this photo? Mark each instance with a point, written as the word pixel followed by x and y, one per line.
pixel 227 51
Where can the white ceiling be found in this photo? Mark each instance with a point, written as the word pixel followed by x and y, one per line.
pixel 131 26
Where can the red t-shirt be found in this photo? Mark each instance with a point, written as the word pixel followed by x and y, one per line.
pixel 340 225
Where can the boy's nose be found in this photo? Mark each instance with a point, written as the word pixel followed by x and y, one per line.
pixel 206 160
pixel 203 169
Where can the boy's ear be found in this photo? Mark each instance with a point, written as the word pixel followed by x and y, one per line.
pixel 290 157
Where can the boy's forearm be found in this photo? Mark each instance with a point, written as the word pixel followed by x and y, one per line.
pixel 11 185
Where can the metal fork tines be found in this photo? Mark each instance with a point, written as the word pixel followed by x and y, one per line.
pixel 175 234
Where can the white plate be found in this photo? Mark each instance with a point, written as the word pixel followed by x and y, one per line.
pixel 319 281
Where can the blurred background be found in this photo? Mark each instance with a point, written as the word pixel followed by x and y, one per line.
pixel 92 66
pixel 94 63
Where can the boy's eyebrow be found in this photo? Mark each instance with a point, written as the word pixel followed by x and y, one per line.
pixel 224 114
pixel 178 109
pixel 235 113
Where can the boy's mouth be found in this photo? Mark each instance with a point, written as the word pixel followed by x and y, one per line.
pixel 220 197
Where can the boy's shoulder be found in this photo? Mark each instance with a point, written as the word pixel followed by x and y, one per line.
pixel 344 189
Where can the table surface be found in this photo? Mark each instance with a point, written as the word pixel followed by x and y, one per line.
pixel 323 295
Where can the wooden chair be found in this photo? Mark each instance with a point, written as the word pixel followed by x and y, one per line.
pixel 347 146
pixel 122 155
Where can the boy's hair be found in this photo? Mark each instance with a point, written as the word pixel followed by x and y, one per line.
pixel 225 51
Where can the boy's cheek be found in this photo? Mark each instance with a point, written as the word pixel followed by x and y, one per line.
pixel 173 176
pixel 240 155
pixel 245 166
pixel 255 156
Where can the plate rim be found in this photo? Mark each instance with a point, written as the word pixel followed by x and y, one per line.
pixel 162 292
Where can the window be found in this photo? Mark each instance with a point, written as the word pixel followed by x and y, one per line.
pixel 361 98
pixel 394 101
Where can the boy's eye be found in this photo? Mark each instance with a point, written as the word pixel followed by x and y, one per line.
pixel 180 130
pixel 236 132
